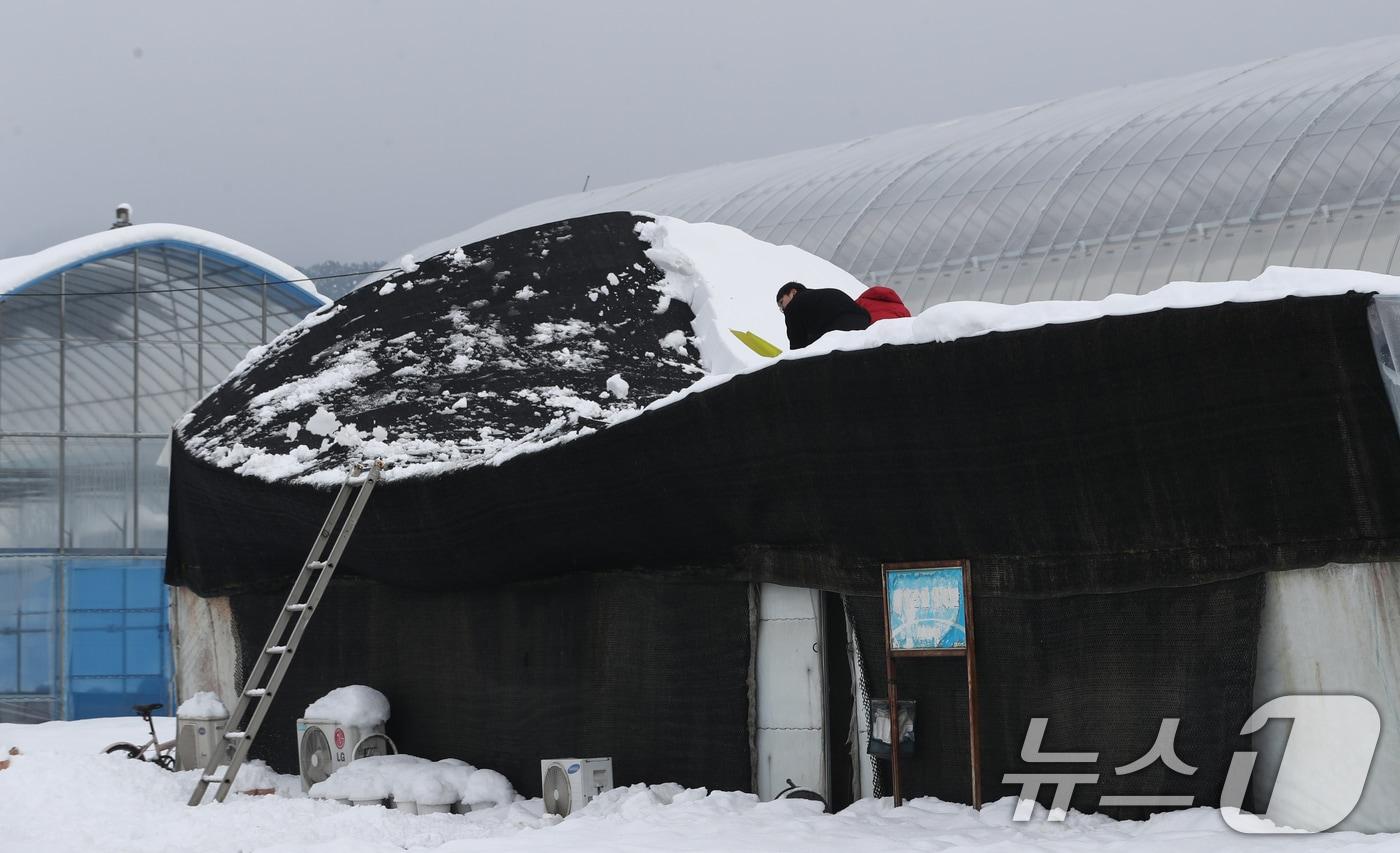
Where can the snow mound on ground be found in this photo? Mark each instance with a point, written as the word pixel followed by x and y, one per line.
pixel 355 705
pixel 125 806
pixel 80 737
pixel 409 778
pixel 203 704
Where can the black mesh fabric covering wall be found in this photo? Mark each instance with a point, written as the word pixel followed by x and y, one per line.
pixel 1104 669
pixel 654 674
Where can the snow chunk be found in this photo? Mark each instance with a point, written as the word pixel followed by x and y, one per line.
pixel 407 264
pixel 355 705
pixel 674 341
pixel 565 398
pixel 275 466
pixel 617 386
pixel 546 333
pixel 322 423
pixel 525 293
pixel 293 430
pixel 388 287
pixel 204 704
pixel 348 436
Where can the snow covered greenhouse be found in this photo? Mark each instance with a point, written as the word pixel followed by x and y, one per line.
pixel 105 341
pixel 608 528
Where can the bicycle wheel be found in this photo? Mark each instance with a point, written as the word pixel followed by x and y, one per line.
pixel 130 750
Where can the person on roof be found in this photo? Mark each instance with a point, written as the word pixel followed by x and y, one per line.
pixel 811 313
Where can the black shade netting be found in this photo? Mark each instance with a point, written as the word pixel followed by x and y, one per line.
pixel 525 338
pixel 1105 670
pixel 1171 448
pixel 655 675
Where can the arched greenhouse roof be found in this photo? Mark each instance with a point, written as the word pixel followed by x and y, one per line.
pixel 1210 176
pixel 83 256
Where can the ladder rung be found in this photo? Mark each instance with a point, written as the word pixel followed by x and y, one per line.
pixel 357 481
pixel 278 650
pixel 235 735
pixel 297 608
pixel 317 564
pixel 211 779
pixel 255 691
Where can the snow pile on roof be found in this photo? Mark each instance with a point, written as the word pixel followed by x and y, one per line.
pixel 202 705
pixel 418 780
pixel 545 335
pixel 731 280
pixel 356 705
pixel 20 271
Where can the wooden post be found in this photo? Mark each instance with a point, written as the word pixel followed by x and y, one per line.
pixel 894 731
pixel 892 691
pixel 975 744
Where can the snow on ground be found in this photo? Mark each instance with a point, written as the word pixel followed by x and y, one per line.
pixel 60 795
pixel 417 780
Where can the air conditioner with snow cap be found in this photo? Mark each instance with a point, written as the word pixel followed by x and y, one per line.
pixel 569 784
pixel 325 746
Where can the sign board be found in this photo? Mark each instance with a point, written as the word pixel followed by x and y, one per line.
pixel 927 609
pixel 928 613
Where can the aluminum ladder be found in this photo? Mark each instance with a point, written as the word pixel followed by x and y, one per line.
pixel 286 634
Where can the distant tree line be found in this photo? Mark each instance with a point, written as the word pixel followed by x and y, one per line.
pixel 344 282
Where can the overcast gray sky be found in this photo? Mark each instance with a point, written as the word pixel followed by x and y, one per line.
pixel 351 129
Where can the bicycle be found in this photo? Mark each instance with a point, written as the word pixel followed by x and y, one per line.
pixel 164 751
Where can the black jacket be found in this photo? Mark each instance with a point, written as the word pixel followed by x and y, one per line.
pixel 814 312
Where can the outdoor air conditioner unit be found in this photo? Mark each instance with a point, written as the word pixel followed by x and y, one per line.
pixel 570 784
pixel 325 746
pixel 198 738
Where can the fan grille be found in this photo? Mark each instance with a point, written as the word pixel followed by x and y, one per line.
pixel 558 797
pixel 315 756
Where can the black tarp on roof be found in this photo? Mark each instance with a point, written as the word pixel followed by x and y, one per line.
pixel 459 360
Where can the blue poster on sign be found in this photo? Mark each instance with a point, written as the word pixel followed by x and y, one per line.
pixel 926 609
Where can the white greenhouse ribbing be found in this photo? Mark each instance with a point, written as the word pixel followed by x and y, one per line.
pixel 1209 177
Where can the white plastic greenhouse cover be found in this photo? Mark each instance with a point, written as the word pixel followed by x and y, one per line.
pixel 1208 177
pixel 23 270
